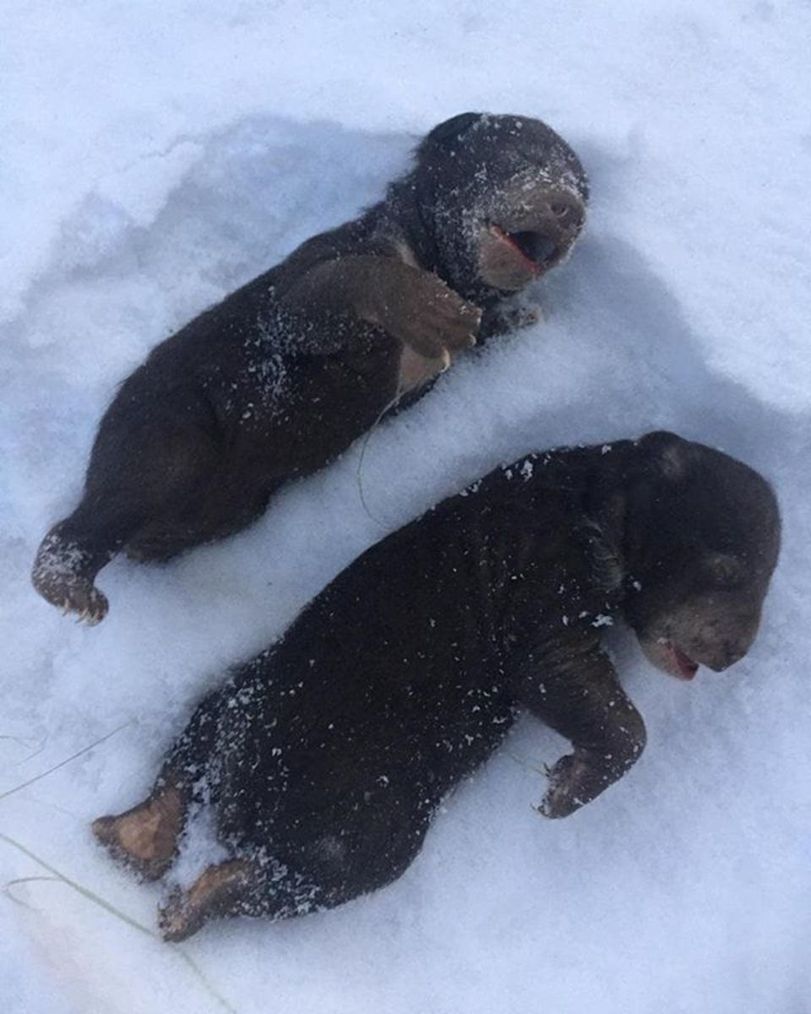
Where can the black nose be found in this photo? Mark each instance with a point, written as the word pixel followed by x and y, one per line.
pixel 734 651
pixel 567 213
pixel 727 653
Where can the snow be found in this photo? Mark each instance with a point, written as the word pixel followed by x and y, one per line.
pixel 156 156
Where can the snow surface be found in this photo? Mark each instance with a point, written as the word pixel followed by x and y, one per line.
pixel 156 155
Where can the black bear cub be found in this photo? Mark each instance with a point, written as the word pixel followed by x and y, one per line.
pixel 326 756
pixel 285 373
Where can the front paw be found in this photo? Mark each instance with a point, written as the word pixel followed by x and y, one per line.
pixel 563 794
pixel 525 316
pixel 435 321
pixel 504 319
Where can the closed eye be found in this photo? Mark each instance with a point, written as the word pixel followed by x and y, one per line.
pixel 725 570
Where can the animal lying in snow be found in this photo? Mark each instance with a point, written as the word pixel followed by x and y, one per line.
pixel 286 372
pixel 326 756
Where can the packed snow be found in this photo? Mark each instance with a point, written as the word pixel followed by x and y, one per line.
pixel 157 155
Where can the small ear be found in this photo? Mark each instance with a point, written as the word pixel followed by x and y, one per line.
pixel 667 451
pixel 724 569
pixel 452 129
pixel 674 462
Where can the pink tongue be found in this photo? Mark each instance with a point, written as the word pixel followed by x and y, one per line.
pixel 687 667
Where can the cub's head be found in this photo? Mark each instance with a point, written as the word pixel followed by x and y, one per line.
pixel 702 536
pixel 503 196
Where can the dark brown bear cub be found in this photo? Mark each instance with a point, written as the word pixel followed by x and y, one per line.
pixel 286 372
pixel 325 757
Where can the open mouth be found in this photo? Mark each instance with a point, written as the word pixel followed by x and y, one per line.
pixel 683 667
pixel 535 248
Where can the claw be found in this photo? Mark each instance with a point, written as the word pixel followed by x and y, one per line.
pixel 91 613
pixel 542 809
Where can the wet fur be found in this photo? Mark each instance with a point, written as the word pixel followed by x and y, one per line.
pixel 326 756
pixel 285 373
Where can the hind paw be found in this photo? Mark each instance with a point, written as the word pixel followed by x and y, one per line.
pixel 76 596
pixel 108 833
pixel 177 918
pixel 63 576
pixel 145 838
pixel 220 891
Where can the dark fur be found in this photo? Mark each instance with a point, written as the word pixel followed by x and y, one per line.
pixel 283 374
pixel 326 756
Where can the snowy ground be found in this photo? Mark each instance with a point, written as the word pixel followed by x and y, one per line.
pixel 155 155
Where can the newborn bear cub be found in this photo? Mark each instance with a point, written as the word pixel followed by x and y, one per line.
pixel 286 372
pixel 326 756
